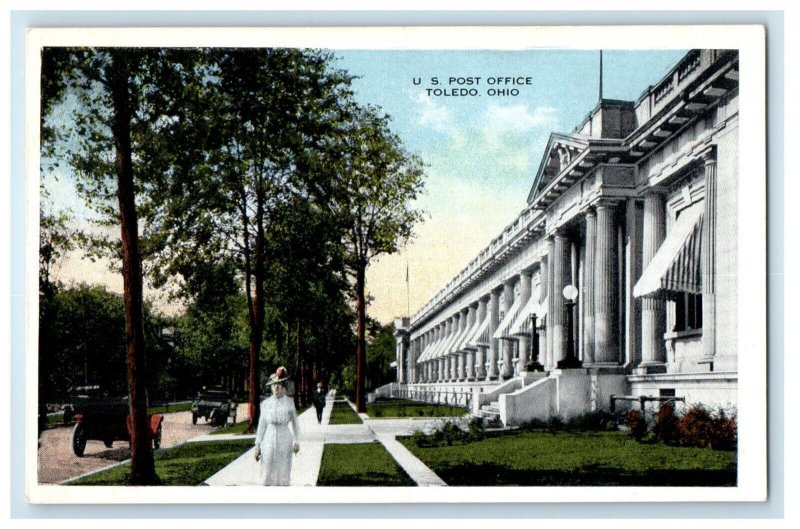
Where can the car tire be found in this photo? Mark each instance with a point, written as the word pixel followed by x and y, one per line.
pixel 194 418
pixel 157 439
pixel 79 439
pixel 108 442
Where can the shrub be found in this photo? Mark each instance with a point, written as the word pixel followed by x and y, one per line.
pixel 593 421
pixel 723 432
pixel 377 412
pixel 476 430
pixel 665 428
pixel 694 427
pixel 636 424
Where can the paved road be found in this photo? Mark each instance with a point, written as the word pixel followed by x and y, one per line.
pixel 57 462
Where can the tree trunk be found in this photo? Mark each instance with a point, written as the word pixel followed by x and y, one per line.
pixel 361 342
pixel 143 470
pixel 256 338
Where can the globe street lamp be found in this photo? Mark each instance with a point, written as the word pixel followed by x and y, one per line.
pixel 571 360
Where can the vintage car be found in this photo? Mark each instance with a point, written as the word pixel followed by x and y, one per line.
pixel 215 406
pixel 101 418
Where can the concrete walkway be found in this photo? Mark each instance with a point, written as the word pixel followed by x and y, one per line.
pixel 244 470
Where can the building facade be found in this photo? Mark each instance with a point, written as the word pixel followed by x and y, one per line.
pixel 618 278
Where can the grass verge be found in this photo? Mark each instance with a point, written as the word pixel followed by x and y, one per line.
pixel 342 413
pixel 575 459
pixel 393 408
pixel 170 408
pixel 238 428
pixel 360 465
pixel 188 464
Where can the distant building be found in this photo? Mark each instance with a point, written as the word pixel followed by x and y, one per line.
pixel 637 210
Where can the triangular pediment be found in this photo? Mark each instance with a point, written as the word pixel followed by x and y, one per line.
pixel 561 150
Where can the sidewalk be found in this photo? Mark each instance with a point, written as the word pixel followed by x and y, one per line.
pixel 243 471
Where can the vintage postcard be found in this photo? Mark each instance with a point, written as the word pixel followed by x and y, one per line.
pixel 512 264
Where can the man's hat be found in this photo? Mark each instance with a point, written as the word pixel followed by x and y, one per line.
pixel 280 376
pixel 319 384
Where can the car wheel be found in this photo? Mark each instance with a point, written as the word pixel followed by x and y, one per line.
pixel 194 418
pixel 157 439
pixel 108 442
pixel 79 439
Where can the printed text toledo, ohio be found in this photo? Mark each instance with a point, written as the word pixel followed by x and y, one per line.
pixel 474 86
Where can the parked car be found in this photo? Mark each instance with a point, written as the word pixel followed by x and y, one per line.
pixel 101 418
pixel 215 406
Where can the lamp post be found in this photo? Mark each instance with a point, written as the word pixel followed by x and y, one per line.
pixel 534 365
pixel 571 360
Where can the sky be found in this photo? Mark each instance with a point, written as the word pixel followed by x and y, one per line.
pixel 481 149
pixel 480 121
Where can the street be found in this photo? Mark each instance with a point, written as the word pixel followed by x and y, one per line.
pixel 57 462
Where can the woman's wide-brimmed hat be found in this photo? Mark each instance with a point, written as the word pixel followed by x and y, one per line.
pixel 279 377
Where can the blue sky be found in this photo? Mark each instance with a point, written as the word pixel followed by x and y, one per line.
pixel 481 151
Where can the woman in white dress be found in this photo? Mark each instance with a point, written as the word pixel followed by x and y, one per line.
pixel 277 434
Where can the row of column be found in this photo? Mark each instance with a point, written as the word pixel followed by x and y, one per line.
pixel 500 359
pixel 601 300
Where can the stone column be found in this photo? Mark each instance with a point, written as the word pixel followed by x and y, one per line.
pixel 654 311
pixel 547 358
pixel 508 345
pixel 588 291
pixel 606 314
pixel 462 359
pixel 707 251
pixel 561 272
pixel 480 358
pixel 469 356
pixel 494 315
pixel 524 341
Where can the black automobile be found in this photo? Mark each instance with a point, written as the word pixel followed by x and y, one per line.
pixel 215 406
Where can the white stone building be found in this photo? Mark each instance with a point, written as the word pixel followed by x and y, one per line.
pixel 636 209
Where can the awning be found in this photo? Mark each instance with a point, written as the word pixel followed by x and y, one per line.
pixel 480 337
pixel 505 325
pixel 676 267
pixel 522 325
pixel 425 353
pixel 469 338
pixel 434 352
pixel 444 350
pixel 461 345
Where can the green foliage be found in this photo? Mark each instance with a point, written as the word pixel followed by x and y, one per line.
pixel 528 458
pixel 360 465
pixel 342 413
pixel 407 408
pixel 449 434
pixel 185 465
pixel 230 428
pixel 665 428
pixel 381 352
pixel 87 344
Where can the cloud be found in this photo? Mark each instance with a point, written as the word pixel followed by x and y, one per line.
pixel 438 118
pixel 510 132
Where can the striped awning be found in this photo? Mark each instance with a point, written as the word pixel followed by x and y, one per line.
pixel 426 352
pixel 676 267
pixel 444 350
pixel 465 340
pixel 503 329
pixel 477 338
pixel 458 342
pixel 522 325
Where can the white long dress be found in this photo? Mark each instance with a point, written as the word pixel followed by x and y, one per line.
pixel 277 432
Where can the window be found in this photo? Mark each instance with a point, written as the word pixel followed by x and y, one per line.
pixel 688 312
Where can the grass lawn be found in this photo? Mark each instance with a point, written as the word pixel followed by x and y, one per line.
pixel 579 459
pixel 183 406
pixel 362 464
pixel 342 413
pixel 239 427
pixel 393 408
pixel 187 464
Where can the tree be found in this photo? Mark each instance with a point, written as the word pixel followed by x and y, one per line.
pixel 377 182
pixel 242 140
pixel 115 121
